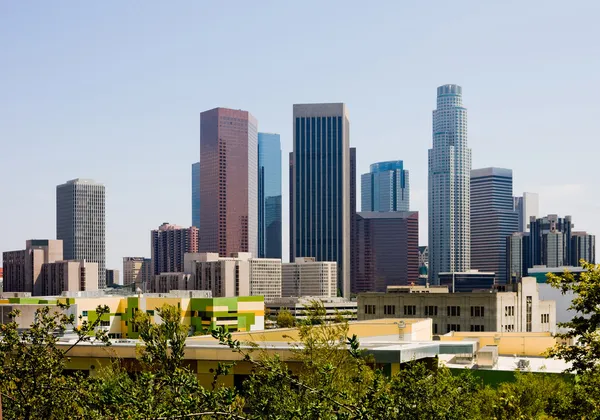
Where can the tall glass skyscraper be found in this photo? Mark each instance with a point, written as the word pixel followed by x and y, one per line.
pixel 493 219
pixel 269 195
pixel 229 188
pixel 320 225
pixel 385 187
pixel 196 194
pixel 80 223
pixel 449 186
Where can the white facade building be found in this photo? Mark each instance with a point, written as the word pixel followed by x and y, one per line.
pixel 265 278
pixel 520 311
pixel 308 277
pixel 527 206
pixel 449 186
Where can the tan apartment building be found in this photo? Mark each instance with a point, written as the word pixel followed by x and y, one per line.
pixel 519 311
pixel 132 270
pixel 22 269
pixel 237 275
pixel 72 276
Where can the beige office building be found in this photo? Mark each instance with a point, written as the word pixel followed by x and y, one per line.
pixel 22 269
pixel 72 276
pixel 308 277
pixel 132 270
pixel 518 311
pixel 238 275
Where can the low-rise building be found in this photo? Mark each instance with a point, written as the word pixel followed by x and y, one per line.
pixel 199 311
pixel 520 311
pixel 334 307
pixel 308 277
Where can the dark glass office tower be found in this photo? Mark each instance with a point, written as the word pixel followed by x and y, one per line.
pixel 320 225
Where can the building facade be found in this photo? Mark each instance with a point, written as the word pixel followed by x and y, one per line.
pixel 80 223
pixel 493 219
pixel 269 196
pixel 387 250
pixel 449 186
pixel 237 275
pixel 519 311
pixel 229 188
pixel 23 269
pixel 199 312
pixel 133 270
pixel 68 276
pixel 169 245
pixel 550 241
pixel 112 277
pixel 265 278
pixel 309 277
pixel 223 276
pixel 468 281
pixel 298 306
pixel 526 206
pixel 196 194
pixel 583 247
pixel 518 258
pixel 321 214
pixel 386 187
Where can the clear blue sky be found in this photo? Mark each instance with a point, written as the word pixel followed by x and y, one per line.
pixel 112 90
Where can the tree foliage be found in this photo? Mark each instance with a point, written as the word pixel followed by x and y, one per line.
pixel 584 328
pixel 285 319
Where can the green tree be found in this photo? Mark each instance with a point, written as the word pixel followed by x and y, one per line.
pixel 285 319
pixel 581 345
pixel 33 382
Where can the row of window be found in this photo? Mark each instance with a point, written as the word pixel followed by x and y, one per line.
pixel 476 311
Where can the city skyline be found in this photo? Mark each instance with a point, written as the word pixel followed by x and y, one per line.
pixel 98 110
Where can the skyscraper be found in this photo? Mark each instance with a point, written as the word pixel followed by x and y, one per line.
pixel 196 194
pixel 80 223
pixel 493 219
pixel 320 225
pixel 449 186
pixel 387 250
pixel 269 195
pixel 170 243
pixel 229 188
pixel 526 206
pixel 550 241
pixel 385 187
pixel 583 247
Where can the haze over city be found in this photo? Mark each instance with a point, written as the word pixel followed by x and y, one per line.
pixel 113 92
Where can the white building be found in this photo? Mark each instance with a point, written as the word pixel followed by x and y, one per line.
pixel 526 207
pixel 334 307
pixel 449 186
pixel 519 311
pixel 265 278
pixel 307 277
